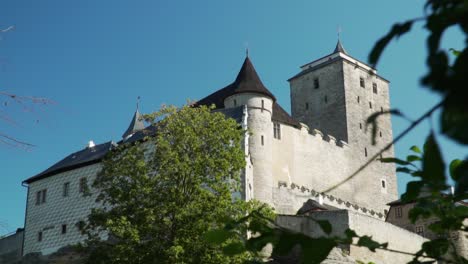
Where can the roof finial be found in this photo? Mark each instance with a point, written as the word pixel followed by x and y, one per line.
pixel 246 44
pixel 138 103
pixel 338 31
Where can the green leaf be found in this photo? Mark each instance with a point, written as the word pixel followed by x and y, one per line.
pixel 436 248
pixel 217 236
pixel 413 189
pixel 396 31
pixel 368 242
pixel 433 169
pixel 394 160
pixel 455 52
pixel 454 122
pixel 416 149
pixel 404 170
pixel 411 158
pixel 453 167
pixel 234 248
pixel 316 250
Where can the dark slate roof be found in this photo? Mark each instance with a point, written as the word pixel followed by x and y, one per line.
pixel 76 160
pixel 311 205
pixel 137 124
pixel 235 113
pixel 248 81
pixel 95 154
pixel 339 48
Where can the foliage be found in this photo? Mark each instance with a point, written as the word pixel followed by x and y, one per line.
pixel 450 81
pixel 160 196
pixel 433 200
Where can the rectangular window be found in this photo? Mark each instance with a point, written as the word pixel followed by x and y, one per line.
pixel 358 99
pixel 362 83
pixel 374 88
pixel 370 105
pixel 66 189
pixel 44 195
pixel 263 105
pixel 38 197
pixel 83 185
pixel 64 229
pixel 316 83
pixel 261 138
pixel 398 212
pixel 383 184
pixel 276 130
pixel 39 236
pixel 419 230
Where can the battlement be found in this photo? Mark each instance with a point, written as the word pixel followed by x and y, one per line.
pixel 303 193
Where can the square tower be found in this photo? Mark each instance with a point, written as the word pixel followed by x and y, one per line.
pixel 336 94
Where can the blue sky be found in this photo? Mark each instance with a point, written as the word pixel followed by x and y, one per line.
pixel 94 58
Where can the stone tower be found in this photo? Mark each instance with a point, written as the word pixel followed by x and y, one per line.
pixel 336 94
pixel 249 90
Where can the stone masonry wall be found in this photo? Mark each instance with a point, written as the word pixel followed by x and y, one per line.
pixel 397 238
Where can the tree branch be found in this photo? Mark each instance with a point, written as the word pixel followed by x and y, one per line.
pixel 398 138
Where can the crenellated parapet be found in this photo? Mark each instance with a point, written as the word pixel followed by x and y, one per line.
pixel 303 193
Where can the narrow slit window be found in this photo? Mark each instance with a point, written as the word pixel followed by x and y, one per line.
pixel 360 125
pixel 381 109
pixel 374 88
pixel 66 189
pixel 83 185
pixel 263 142
pixel 316 83
pixel 263 105
pixel 276 130
pixel 398 212
pixel 380 133
pixel 384 184
pixel 44 195
pixel 358 99
pixel 38 197
pixel 39 236
pixel 365 152
pixel 326 99
pixel 370 105
pixel 362 83
pixel 235 102
pixel 307 106
pixel 64 229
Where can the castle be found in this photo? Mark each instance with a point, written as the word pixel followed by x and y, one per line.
pixel 291 159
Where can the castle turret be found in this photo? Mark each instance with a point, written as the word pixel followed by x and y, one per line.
pixel 249 90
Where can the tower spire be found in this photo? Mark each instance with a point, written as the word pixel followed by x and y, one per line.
pixel 136 124
pixel 339 46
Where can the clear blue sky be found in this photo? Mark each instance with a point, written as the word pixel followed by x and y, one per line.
pixel 95 57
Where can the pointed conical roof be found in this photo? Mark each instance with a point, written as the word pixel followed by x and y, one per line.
pixel 339 48
pixel 248 81
pixel 137 124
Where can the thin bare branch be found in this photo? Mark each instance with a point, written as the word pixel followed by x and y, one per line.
pixel 398 138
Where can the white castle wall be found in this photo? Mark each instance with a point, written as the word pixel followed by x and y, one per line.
pixel 58 210
pixel 398 239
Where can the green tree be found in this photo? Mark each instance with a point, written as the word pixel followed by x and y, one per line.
pixel 162 194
